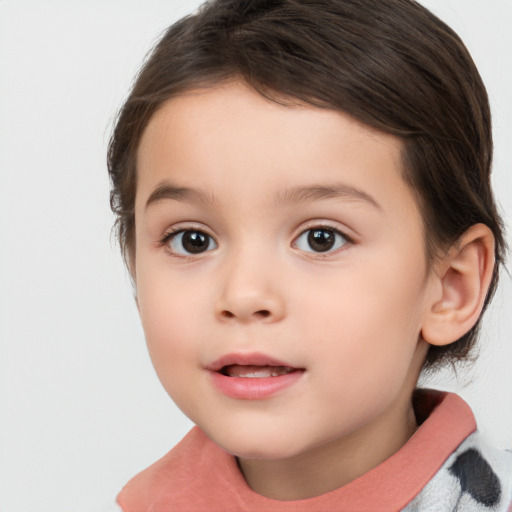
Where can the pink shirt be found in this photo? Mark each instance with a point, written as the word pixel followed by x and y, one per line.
pixel 197 475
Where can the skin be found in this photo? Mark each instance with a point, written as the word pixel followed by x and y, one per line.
pixel 350 317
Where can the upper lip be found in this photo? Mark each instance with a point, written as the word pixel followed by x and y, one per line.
pixel 252 359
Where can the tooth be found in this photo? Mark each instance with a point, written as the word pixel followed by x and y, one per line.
pixel 254 372
pixel 256 375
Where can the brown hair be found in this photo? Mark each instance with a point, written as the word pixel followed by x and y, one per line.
pixel 388 63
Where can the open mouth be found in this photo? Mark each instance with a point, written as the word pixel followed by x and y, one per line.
pixel 255 371
pixel 253 376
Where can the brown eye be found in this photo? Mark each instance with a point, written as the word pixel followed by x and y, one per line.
pixel 191 242
pixel 321 239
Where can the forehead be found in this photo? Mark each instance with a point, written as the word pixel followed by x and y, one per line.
pixel 231 135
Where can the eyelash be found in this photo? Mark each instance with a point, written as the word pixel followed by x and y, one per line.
pixel 330 250
pixel 174 233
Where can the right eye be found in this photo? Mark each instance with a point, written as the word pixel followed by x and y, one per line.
pixel 189 241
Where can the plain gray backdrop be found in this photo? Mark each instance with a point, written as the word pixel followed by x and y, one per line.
pixel 81 410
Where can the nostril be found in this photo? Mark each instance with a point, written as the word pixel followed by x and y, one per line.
pixel 262 313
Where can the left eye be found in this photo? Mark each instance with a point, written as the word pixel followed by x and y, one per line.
pixel 320 239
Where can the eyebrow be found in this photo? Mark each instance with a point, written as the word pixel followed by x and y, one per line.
pixel 167 191
pixel 314 192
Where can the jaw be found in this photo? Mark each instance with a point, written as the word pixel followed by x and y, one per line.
pixel 329 465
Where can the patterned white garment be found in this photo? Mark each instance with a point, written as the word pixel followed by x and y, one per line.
pixel 475 478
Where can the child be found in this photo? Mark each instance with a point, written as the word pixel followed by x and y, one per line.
pixel 303 200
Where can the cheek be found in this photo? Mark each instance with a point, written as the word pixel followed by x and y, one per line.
pixel 366 298
pixel 170 319
pixel 366 325
pixel 171 340
pixel 164 299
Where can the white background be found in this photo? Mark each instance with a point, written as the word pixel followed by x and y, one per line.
pixel 80 407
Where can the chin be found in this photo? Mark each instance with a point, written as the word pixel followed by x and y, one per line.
pixel 257 445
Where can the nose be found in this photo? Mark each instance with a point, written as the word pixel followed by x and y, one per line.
pixel 250 291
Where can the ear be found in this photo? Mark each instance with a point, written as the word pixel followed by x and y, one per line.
pixel 464 276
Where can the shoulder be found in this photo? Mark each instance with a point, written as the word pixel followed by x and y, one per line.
pixel 194 471
pixel 477 477
pixel 174 468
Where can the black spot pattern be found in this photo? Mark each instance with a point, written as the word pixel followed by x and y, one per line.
pixel 477 478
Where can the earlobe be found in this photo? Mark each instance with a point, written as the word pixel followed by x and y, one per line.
pixel 464 276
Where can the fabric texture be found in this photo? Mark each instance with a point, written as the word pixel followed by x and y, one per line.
pixel 446 466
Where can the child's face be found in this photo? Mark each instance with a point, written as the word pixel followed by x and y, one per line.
pixel 297 244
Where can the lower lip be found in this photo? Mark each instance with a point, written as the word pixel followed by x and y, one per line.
pixel 254 388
